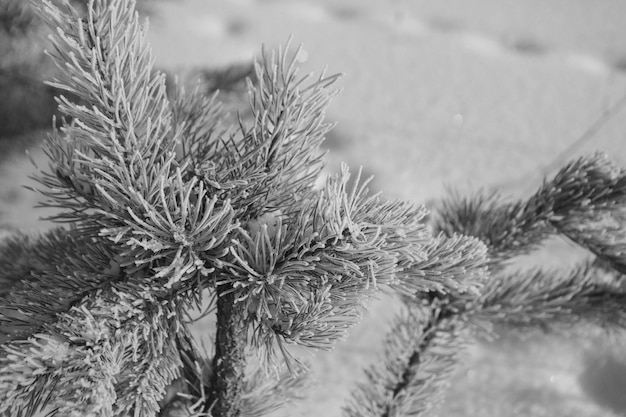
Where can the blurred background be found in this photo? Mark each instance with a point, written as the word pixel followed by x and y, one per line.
pixel 461 94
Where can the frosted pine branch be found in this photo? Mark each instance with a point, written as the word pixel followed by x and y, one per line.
pixel 108 356
pixel 304 277
pixel 552 299
pixel 584 201
pixel 166 203
pixel 455 264
pixel 420 354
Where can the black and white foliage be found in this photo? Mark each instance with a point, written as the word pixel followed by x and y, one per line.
pixel 167 207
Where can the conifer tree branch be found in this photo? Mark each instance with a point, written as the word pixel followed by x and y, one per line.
pixel 40 290
pixel 164 202
pixel 116 175
pixel 549 299
pixel 109 356
pixel 455 264
pixel 277 159
pixel 600 231
pixel 576 202
pixel 422 348
pixel 116 170
pixel 506 228
pixel 304 277
pixel 420 354
pixel 229 362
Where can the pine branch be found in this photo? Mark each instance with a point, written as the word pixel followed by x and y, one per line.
pixel 597 223
pixel 40 290
pixel 107 156
pixel 601 232
pixel 422 347
pixel 277 159
pixel 304 277
pixel 551 299
pixel 115 174
pixel 576 203
pixel 132 311
pixel 109 356
pixel 451 265
pixel 400 386
pixel 229 362
pixel 507 228
pixel 164 201
pixel 260 394
pixel 419 356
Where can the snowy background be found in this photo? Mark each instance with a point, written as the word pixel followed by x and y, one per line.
pixel 467 94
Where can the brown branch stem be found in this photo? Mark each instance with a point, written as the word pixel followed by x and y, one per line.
pixel 229 360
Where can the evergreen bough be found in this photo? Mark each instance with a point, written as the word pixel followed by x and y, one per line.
pixel 167 208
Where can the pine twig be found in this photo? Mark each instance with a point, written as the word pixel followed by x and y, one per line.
pixel 229 362
pixel 575 203
pixel 420 354
pixel 551 300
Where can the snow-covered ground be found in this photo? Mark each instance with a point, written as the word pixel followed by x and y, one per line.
pixel 468 94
